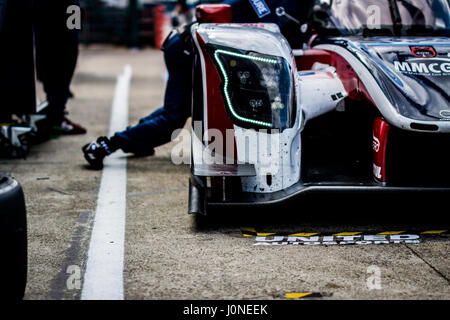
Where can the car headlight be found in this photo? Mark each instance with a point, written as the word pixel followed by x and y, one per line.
pixel 257 88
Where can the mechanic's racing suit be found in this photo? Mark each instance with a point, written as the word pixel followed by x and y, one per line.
pixel 156 129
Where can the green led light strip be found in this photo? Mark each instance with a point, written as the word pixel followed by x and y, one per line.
pixel 225 87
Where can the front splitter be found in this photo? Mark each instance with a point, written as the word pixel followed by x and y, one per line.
pixel 300 190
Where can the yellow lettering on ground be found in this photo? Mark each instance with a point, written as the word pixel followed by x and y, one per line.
pixel 346 234
pixel 302 234
pixel 264 234
pixel 250 230
pixel 297 295
pixel 391 232
pixel 433 232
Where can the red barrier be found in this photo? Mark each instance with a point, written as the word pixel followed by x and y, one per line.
pixel 162 25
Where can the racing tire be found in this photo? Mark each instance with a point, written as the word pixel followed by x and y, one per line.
pixel 13 239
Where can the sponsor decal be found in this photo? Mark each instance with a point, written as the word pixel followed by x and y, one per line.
pixel 377 171
pixel 376 144
pixel 421 67
pixel 345 238
pixel 423 52
pixel 445 114
pixel 261 8
pixel 358 239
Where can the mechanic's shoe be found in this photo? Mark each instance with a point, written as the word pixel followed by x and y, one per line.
pixel 68 127
pixel 96 151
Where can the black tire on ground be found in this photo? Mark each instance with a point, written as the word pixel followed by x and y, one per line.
pixel 13 239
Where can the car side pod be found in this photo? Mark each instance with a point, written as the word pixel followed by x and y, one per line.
pixel 13 238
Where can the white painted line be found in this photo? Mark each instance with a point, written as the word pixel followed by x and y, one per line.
pixel 103 279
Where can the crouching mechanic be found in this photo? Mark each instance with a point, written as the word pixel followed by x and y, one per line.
pixel 156 129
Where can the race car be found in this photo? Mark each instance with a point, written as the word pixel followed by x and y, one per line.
pixel 363 107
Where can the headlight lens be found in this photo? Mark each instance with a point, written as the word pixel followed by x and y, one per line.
pixel 258 89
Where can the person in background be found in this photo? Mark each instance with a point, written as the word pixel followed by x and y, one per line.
pixel 181 10
pixel 156 129
pixel 56 49
pixel 17 81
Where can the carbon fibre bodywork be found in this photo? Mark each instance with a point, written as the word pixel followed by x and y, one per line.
pixel 416 87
